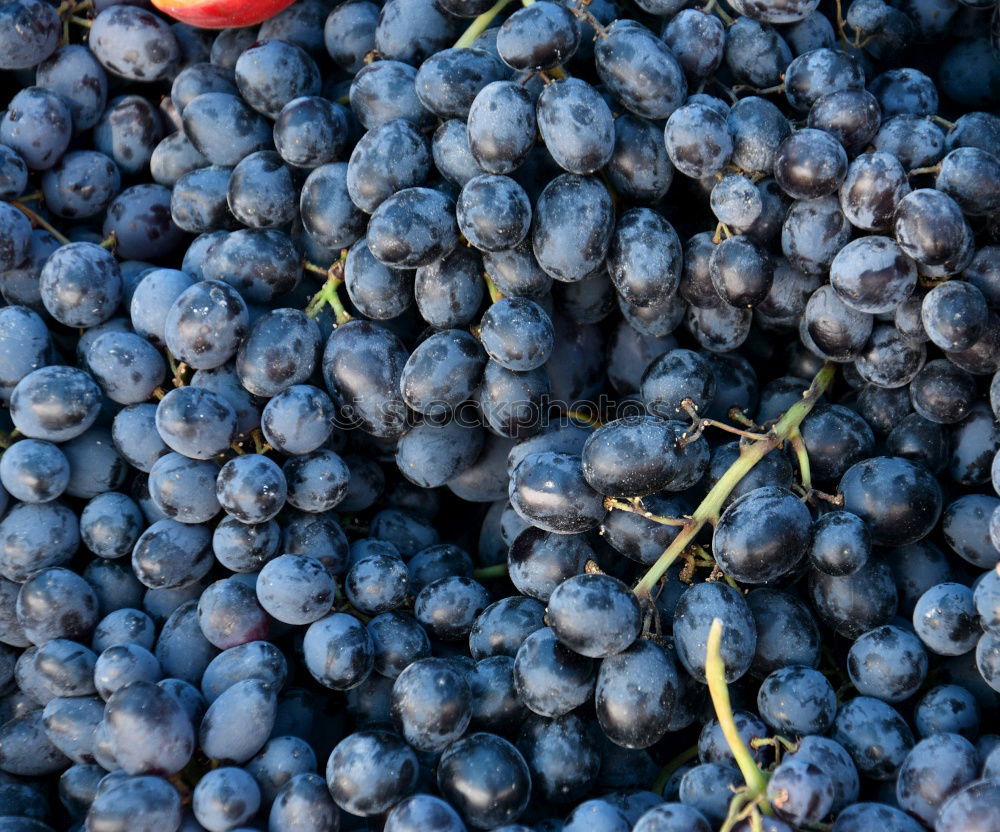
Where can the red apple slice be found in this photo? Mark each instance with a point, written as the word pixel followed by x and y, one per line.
pixel 221 14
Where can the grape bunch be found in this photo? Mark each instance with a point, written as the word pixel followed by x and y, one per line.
pixel 445 415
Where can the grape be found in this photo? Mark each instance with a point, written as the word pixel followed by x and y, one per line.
pixel 867 815
pixel 698 140
pixel 260 191
pixel 644 259
pixel 640 70
pixel 410 30
pixel 304 801
pixel 740 272
pixel 494 212
pixel 853 116
pixel 81 285
pixel 672 817
pixel 31 33
pixel 947 709
pixel 697 608
pixel 762 535
pixel 414 227
pixel 169 554
pixel 224 798
pixel 38 125
pixel 148 730
pixel 818 73
pixel 570 243
pixel 809 164
pixel 423 811
pixel 142 803
pixel 81 184
pixel 933 770
pixel 629 714
pixel 814 232
pixel 371 179
pixel 697 41
pixel 223 128
pixel 310 131
pixel 703 788
pixel 384 90
pixel 561 757
pixel 578 145
pixel 223 739
pixel 195 422
pixel 381 292
pixel 888 663
pixel 538 38
pixel 123 664
pixel 875 735
pixel 134 43
pixel 486 778
pixel 755 53
pixel 449 80
pixel 639 166
pixel 34 471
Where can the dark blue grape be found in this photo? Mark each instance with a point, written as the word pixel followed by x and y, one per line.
pixel 38 125
pixel 223 128
pixel 227 740
pixel 31 33
pixel 225 797
pixel 171 554
pixel 338 651
pixel 384 90
pixel 134 43
pixel 486 778
pixel 876 736
pixel 81 285
pixel 81 184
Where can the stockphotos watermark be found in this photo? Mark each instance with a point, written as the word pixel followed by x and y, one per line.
pixel 541 413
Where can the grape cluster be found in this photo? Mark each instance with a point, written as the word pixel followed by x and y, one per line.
pixel 443 415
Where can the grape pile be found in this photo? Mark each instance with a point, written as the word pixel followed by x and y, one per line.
pixel 443 415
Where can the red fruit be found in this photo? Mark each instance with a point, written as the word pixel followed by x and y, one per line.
pixel 222 14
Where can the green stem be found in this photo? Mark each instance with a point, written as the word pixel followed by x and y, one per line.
pixel 491 287
pixel 673 765
pixel 750 454
pixel 715 673
pixel 40 222
pixel 328 293
pixel 480 24
pixel 943 122
pixel 6 440
pixel 713 6
pixel 498 570
pixel 611 503
pixel 802 455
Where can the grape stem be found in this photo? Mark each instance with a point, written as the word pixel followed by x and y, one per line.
pixel 491 287
pixel 38 221
pixel 672 766
pixel 636 508
pixel 327 295
pixel 480 24
pixel 698 424
pixel 750 454
pixel 712 6
pixel 496 571
pixel 586 418
pixel 802 455
pixel 715 674
pixel 6 440
pixel 942 122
